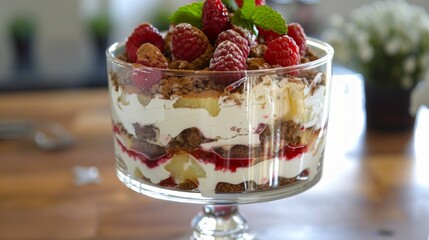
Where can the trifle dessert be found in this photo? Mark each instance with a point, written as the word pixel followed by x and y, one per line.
pixel 231 99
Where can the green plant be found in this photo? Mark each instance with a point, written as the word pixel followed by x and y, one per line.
pixel 22 27
pixel 386 41
pixel 100 26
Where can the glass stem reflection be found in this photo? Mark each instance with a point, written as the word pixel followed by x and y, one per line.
pixel 220 222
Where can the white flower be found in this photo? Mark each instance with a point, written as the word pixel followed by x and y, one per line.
pixel 413 35
pixel 393 46
pixel 406 82
pixel 350 29
pixel 365 52
pixel 424 23
pixel 381 29
pixel 362 38
pixel 410 64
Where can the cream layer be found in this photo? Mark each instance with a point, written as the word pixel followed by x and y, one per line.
pixel 239 118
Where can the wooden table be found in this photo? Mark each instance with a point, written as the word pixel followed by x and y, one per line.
pixel 375 185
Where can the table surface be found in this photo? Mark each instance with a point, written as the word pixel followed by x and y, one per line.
pixel 375 184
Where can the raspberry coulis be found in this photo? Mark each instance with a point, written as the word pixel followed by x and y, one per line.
pixel 221 163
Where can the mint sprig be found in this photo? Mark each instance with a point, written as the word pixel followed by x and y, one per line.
pixel 230 4
pixel 269 19
pixel 248 16
pixel 247 9
pixel 191 13
pixel 239 20
pixel 261 16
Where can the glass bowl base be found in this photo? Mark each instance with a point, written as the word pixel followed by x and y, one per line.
pixel 158 192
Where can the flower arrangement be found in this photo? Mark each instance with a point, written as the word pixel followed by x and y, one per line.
pixel 386 41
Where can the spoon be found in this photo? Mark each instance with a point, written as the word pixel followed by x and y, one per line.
pixel 47 136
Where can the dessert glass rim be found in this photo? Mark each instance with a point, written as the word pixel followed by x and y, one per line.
pixel 311 42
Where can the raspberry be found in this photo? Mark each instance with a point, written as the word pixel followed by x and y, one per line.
pixel 295 31
pixel 228 57
pixel 257 2
pixel 144 79
pixel 282 51
pixel 142 34
pixel 249 36
pixel 188 42
pixel 203 61
pixel 236 38
pixel 215 19
pixel 150 56
pixel 266 36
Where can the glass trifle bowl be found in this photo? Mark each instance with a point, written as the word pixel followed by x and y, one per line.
pixel 220 138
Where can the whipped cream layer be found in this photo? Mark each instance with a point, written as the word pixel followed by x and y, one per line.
pixel 240 117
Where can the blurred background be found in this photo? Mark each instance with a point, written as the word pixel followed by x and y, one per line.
pixel 60 43
pixel 379 178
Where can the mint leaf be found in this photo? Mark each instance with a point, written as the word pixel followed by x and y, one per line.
pixel 230 4
pixel 191 13
pixel 238 20
pixel 269 19
pixel 247 9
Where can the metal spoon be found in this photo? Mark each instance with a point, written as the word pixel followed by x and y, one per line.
pixel 48 136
